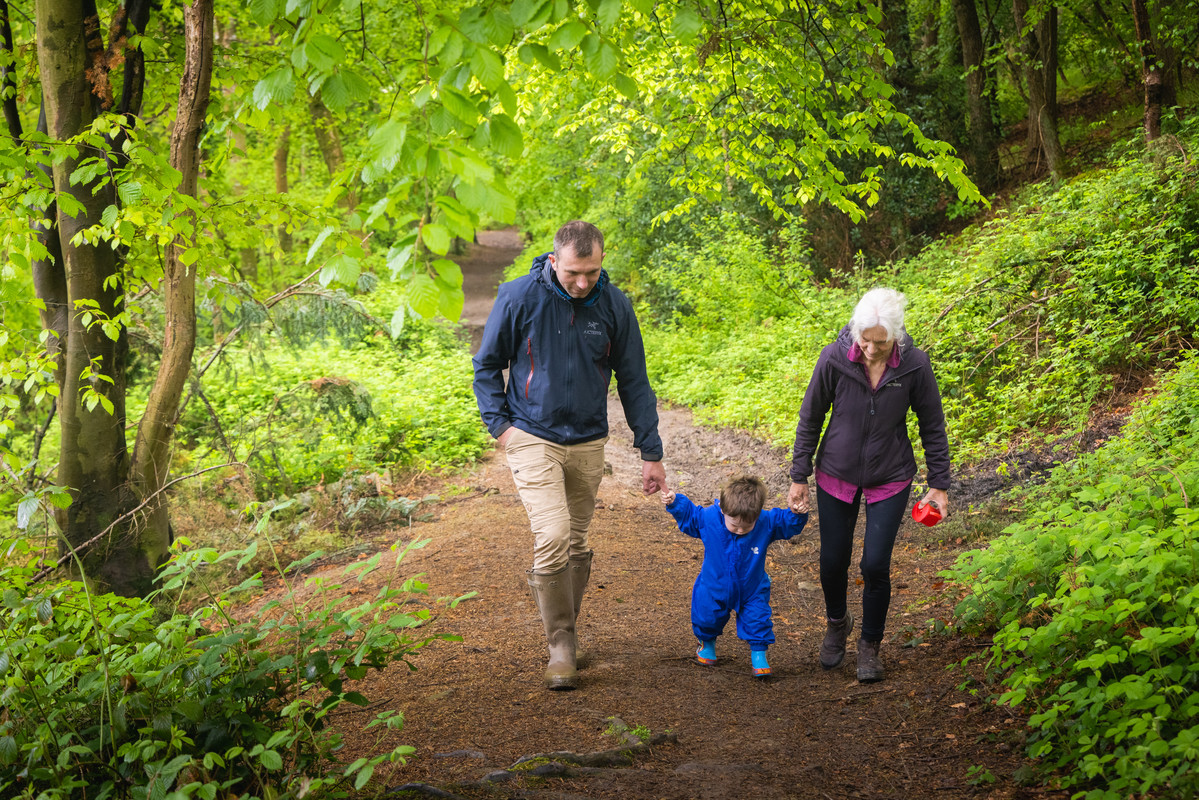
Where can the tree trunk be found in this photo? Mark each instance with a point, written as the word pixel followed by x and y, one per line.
pixel 329 142
pixel 152 451
pixel 1039 44
pixel 8 81
pixel 1151 72
pixel 897 35
pixel 282 150
pixel 94 460
pixel 984 139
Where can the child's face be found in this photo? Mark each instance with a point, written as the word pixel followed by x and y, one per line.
pixel 738 526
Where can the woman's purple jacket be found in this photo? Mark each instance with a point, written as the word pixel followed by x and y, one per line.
pixel 866 442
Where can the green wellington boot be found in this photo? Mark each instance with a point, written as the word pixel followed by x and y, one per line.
pixel 553 596
pixel 580 573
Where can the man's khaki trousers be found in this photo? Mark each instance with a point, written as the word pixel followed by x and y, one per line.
pixel 557 484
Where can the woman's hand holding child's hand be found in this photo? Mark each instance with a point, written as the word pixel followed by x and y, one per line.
pixel 667 496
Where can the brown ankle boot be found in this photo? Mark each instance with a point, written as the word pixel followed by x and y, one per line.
pixel 553 596
pixel 832 649
pixel 870 665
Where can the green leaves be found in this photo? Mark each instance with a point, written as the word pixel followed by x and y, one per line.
pixel 278 86
pixel 487 67
pixel 686 24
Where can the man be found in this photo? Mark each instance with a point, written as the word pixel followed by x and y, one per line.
pixel 562 332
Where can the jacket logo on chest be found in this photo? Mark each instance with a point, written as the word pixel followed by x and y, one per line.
pixel 593 329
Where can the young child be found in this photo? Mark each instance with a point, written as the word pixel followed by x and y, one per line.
pixel 735 532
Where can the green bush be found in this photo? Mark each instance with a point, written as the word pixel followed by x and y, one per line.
pixel 311 415
pixel 1094 599
pixel 110 697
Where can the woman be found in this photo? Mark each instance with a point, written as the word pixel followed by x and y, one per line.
pixel 869 377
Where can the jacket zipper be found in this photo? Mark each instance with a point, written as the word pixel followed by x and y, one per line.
pixel 529 379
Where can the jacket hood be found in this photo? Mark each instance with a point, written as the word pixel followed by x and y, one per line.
pixel 543 272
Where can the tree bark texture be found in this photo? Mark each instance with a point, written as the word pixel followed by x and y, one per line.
pixel 152 450
pixel 282 151
pixel 329 142
pixel 984 138
pixel 8 81
pixel 1151 72
pixel 94 460
pixel 1039 45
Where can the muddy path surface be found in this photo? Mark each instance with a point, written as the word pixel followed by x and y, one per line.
pixel 474 708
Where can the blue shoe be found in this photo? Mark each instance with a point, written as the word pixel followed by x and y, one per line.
pixel 758 659
pixel 706 654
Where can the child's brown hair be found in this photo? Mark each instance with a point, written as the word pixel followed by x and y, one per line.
pixel 743 497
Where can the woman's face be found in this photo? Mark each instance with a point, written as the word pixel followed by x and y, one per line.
pixel 875 344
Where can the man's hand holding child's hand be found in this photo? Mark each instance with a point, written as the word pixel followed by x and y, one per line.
pixel 667 496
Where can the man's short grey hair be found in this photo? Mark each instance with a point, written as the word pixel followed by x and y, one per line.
pixel 581 237
pixel 877 307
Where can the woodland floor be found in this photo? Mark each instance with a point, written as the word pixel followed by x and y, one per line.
pixel 475 707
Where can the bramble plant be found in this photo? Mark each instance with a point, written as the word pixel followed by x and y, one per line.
pixel 133 698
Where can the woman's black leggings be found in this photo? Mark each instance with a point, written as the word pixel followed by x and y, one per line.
pixel 837 521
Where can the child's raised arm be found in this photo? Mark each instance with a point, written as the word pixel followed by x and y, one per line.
pixel 686 514
pixel 785 523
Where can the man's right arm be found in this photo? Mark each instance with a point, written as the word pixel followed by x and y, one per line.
pixel 494 356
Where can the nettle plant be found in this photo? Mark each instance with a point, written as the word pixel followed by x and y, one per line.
pixel 130 698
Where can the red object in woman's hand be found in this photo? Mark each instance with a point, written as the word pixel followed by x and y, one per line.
pixel 926 513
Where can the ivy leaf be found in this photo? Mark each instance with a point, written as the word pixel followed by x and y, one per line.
pixel 423 295
pixel 278 86
pixel 342 268
pixel 608 14
pixel 568 36
pixel 506 137
pixel 487 67
pixel 436 238
pixel 686 24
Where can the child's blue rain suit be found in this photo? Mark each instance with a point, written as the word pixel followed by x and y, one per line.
pixel 733 576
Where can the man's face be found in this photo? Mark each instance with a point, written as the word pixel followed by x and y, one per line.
pixel 577 275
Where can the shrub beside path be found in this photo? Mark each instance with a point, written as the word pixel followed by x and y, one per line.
pixel 476 708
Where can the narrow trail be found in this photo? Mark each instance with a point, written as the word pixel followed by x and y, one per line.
pixel 477 706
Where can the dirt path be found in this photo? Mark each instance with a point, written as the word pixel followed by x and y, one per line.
pixel 477 706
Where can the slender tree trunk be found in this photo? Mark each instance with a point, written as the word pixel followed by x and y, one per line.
pixel 282 150
pixel 8 81
pixel 984 139
pixel 152 451
pixel 1039 43
pixel 94 460
pixel 1151 72
pixel 329 142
